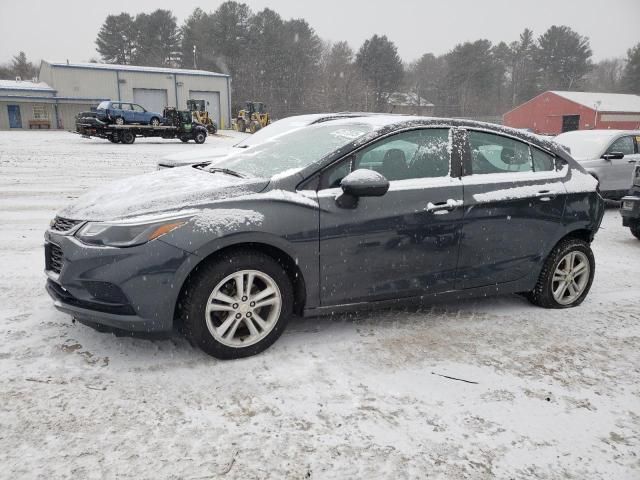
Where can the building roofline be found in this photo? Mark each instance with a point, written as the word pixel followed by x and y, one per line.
pixel 528 101
pixel 136 68
pixel 43 97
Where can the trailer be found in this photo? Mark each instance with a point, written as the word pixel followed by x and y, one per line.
pixel 177 124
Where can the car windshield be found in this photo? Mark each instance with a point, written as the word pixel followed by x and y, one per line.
pixel 103 105
pixel 294 150
pixel 276 128
pixel 584 145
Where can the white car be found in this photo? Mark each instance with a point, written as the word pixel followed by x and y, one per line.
pixel 205 155
pixel 608 155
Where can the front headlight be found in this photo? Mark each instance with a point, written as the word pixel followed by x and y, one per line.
pixel 126 234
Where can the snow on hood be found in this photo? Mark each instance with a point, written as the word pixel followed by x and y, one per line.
pixel 191 156
pixel 159 192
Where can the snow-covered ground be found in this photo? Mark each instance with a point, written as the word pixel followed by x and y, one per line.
pixel 357 396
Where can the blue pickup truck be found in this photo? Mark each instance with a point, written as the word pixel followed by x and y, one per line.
pixel 125 113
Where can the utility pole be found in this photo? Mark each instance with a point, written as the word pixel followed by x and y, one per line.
pixel 195 65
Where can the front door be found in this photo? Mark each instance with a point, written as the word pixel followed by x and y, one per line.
pixel 403 243
pixel 15 119
pixel 514 202
pixel 617 172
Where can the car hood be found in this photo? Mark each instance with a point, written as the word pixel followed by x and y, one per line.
pixel 162 191
pixel 191 157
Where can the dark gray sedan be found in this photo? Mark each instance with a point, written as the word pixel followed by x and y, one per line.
pixel 345 215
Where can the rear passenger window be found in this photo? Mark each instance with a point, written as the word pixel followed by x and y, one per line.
pixel 542 162
pixel 492 153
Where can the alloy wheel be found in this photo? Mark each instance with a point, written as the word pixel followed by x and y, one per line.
pixel 570 278
pixel 243 308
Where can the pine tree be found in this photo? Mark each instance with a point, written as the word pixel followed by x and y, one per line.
pixel 631 76
pixel 563 58
pixel 381 68
pixel 116 42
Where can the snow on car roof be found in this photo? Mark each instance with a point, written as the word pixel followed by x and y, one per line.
pixel 137 68
pixel 25 85
pixel 603 102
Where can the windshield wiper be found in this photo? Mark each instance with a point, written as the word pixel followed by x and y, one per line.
pixel 225 171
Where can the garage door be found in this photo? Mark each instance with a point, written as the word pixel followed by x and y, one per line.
pixel 152 99
pixel 212 100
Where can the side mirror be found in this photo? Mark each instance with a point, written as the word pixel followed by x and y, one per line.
pixel 613 156
pixel 361 183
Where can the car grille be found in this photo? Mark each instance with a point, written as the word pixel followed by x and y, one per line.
pixel 60 224
pixel 54 258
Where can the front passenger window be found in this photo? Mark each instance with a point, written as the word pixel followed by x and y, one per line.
pixel 423 153
pixel 622 145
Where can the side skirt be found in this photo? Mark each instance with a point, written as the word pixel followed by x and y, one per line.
pixel 522 285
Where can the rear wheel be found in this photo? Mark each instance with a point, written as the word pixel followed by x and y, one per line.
pixel 200 137
pixel 184 139
pixel 119 121
pixel 238 305
pixel 128 138
pixel 242 126
pixel 155 122
pixel 114 138
pixel 635 229
pixel 566 276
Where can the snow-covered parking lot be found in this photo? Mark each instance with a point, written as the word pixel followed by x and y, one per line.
pixel 548 393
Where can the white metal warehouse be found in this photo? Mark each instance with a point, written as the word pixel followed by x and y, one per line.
pixel 64 89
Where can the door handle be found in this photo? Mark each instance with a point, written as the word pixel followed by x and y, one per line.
pixel 442 208
pixel 632 161
pixel 545 195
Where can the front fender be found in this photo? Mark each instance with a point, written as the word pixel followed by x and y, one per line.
pixel 289 226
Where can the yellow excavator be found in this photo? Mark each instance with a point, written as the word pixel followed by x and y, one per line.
pixel 199 113
pixel 253 117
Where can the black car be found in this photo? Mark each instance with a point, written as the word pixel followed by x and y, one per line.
pixel 630 205
pixel 345 215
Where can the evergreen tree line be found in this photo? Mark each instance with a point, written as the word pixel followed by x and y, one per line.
pixel 287 65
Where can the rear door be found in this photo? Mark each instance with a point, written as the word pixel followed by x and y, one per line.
pixel 404 243
pixel 514 199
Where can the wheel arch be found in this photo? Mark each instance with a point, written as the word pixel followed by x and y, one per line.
pixel 285 260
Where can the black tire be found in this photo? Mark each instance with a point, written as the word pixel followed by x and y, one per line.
pixel 254 126
pixel 127 138
pixel 542 294
pixel 154 122
pixel 635 229
pixel 114 139
pixel 242 126
pixel 184 139
pixel 119 121
pixel 202 283
pixel 200 137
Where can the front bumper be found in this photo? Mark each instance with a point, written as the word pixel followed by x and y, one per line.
pixel 134 289
pixel 630 210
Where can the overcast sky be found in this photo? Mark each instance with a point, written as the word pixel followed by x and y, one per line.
pixel 58 30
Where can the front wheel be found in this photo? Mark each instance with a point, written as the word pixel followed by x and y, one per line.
pixel 119 121
pixel 237 306
pixel 155 122
pixel 566 277
pixel 200 137
pixel 635 229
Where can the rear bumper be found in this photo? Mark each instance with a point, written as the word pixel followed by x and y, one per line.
pixel 630 210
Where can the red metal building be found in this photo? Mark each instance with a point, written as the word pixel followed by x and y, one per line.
pixel 554 112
